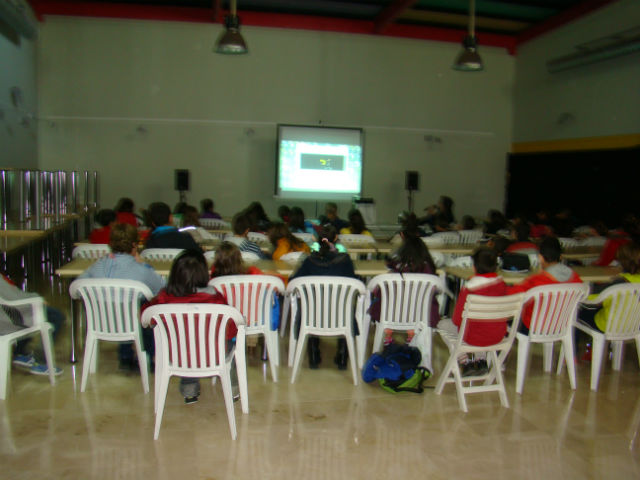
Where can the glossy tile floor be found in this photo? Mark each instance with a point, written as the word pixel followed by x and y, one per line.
pixel 322 427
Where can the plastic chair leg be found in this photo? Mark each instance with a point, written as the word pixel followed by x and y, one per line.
pixel 142 363
pixel 352 358
pixel 285 316
pixel 523 360
pixel 504 399
pixel 89 352
pixel 5 368
pixel 618 353
pixel 547 356
pixel 597 356
pixel 568 350
pixel 163 385
pixel 241 370
pixel 300 345
pixel 47 342
pixel 225 380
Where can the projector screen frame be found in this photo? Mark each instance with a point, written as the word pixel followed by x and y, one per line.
pixel 324 195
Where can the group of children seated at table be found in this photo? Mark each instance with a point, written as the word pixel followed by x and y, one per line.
pixel 189 276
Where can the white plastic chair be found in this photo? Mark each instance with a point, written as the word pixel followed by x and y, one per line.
pixel 554 312
pixel 249 257
pixel 447 238
pixel 32 318
pixel 162 254
pixel 253 295
pixel 214 224
pixel 479 308
pixel 190 342
pixel 405 304
pixel 469 237
pixel 293 257
pixel 592 242
pixel 92 251
pixel 328 306
pixel 355 239
pixel 112 307
pixel 623 324
pixel 568 242
pixel 433 241
pixel 259 238
pixel 305 237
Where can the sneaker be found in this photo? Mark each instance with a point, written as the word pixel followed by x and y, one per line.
pixel 468 369
pixel 190 400
pixel 26 361
pixel 39 369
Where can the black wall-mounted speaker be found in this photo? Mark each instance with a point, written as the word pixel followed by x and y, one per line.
pixel 182 180
pixel 412 180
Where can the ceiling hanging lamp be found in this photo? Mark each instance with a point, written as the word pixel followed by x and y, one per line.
pixel 230 41
pixel 469 60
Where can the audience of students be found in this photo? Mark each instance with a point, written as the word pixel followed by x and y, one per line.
pixel 164 234
pixel 331 217
pixel 284 241
pixel 297 222
pixel 208 211
pixel 106 218
pixel 187 283
pixel 124 263
pixel 125 212
pixel 356 224
pixel 327 260
pixel 241 226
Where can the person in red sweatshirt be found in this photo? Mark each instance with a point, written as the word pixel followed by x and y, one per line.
pixel 106 218
pixel 187 283
pixel 485 281
pixel 552 272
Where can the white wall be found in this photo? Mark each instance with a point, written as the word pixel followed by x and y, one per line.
pixel 593 100
pixel 137 99
pixel 18 125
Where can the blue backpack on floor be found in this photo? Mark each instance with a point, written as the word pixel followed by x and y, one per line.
pixel 397 369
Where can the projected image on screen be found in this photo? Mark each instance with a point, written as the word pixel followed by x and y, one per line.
pixel 314 161
pixel 317 162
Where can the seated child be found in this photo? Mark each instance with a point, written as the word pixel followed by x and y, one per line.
pixel 187 283
pixel 241 226
pixel 106 218
pixel 552 272
pixel 485 281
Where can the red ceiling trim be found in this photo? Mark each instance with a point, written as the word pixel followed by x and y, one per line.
pixel 274 20
pixel 561 19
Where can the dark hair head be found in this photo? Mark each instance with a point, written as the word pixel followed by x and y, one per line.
pixel 327 236
pixel 468 222
pixel 331 208
pixel 410 226
pixel 550 249
pixel 123 237
pixel 356 221
pixel 180 207
pixel 485 260
pixel 283 211
pixel 206 205
pixel 499 244
pixel 105 217
pixel 240 223
pixel 522 230
pixel 188 273
pixel 447 203
pixel 190 216
pixel 159 214
pixel 412 255
pixel 228 260
pixel 280 230
pixel 124 205
pixel 296 218
pixel 629 257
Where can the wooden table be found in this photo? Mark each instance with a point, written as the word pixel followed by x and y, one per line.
pixel 587 274
pixel 364 268
pixel 581 253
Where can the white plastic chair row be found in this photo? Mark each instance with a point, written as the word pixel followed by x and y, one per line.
pixel 91 250
pixel 162 254
pixel 214 224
